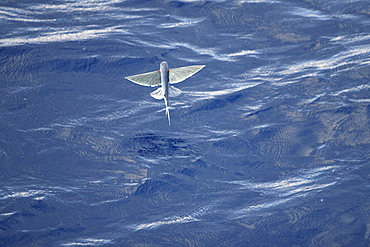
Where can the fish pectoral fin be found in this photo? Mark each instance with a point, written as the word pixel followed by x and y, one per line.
pixel 157 94
pixel 177 75
pixel 174 92
pixel 150 79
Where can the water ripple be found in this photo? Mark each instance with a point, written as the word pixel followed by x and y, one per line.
pixel 63 35
pixel 288 189
pixel 181 22
pixel 310 13
pixel 88 242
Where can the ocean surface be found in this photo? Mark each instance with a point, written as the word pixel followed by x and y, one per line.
pixel 268 144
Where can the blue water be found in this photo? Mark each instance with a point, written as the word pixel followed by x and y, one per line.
pixel 269 144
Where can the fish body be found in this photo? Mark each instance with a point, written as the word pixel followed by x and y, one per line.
pixel 164 77
pixel 165 82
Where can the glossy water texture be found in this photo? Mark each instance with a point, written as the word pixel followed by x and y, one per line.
pixel 269 144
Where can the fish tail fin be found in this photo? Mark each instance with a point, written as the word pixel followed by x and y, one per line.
pixel 168 115
pixel 167 111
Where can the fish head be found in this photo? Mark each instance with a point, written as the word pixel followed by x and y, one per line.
pixel 164 65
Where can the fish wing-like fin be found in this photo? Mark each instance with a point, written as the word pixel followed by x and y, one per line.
pixel 177 75
pixel 150 79
pixel 157 94
pixel 174 92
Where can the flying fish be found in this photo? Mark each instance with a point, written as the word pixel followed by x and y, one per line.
pixel 164 77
